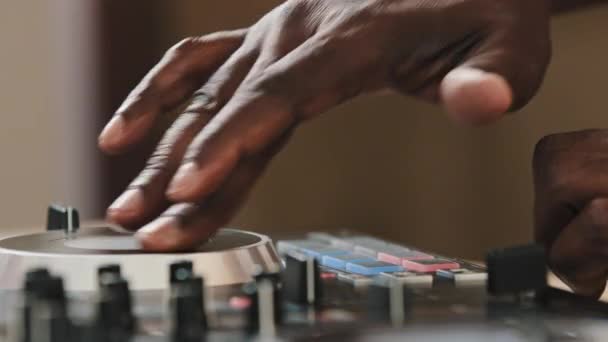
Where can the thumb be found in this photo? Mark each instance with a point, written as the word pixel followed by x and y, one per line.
pixel 502 75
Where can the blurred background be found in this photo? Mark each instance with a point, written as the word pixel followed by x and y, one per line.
pixel 387 165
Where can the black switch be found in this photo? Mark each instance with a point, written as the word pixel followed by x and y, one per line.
pixel 180 270
pixel 33 283
pixel 516 270
pixel 50 288
pixel 301 279
pixel 388 301
pixel 62 218
pixel 115 308
pixel 265 311
pixel 187 308
pixel 49 320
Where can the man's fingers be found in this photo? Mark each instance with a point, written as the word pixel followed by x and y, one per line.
pixel 569 171
pixel 220 146
pixel 145 197
pixel 502 74
pixel 186 225
pixel 183 69
pixel 579 255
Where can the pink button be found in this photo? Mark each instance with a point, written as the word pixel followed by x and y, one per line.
pixel 429 265
pixel 239 302
pixel 398 259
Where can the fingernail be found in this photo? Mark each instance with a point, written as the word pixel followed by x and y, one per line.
pixel 182 180
pixel 160 234
pixel 112 132
pixel 130 203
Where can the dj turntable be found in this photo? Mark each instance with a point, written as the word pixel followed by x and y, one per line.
pixel 93 284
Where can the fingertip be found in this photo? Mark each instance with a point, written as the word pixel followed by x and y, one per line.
pixel 182 183
pixel 127 208
pixel 159 235
pixel 166 234
pixel 110 138
pixel 475 97
pixel 121 132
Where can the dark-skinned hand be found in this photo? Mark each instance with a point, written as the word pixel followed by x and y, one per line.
pixel 247 90
pixel 571 207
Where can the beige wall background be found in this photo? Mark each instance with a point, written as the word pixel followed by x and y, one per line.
pixel 398 168
pixel 47 102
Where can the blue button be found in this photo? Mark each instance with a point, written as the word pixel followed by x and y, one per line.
pixel 339 261
pixel 319 252
pixel 284 246
pixel 372 267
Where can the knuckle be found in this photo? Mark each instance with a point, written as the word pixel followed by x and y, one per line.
pixel 184 46
pixel 598 213
pixel 204 101
pixel 271 83
pixel 157 86
pixel 274 87
pixel 145 178
pixel 295 9
pixel 552 162
pixel 565 160
pixel 544 148
pixel 545 167
pixel 163 158
pixel 160 157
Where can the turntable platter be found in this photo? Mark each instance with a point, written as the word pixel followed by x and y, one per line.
pixel 228 258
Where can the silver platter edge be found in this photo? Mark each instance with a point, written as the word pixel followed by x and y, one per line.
pixel 230 258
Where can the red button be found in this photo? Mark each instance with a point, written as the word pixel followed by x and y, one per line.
pixel 240 302
pixel 328 275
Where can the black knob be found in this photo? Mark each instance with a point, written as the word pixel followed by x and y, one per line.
pixel 301 279
pixel 63 218
pixel 115 309
pixel 265 311
pixel 51 289
pixel 516 270
pixel 34 279
pixel 110 270
pixel 187 308
pixel 180 270
pixel 49 321
pixel 33 284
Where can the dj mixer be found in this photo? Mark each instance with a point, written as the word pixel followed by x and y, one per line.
pixel 92 284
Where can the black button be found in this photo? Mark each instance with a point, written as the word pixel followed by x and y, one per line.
pixel 180 270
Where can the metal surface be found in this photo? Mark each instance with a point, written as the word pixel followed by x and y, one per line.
pixel 229 258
